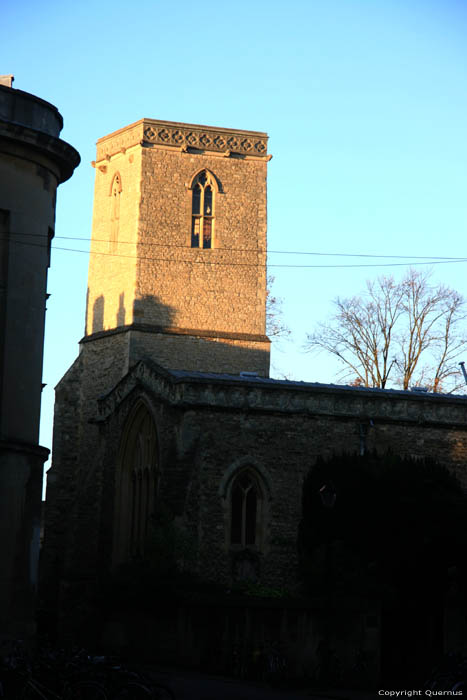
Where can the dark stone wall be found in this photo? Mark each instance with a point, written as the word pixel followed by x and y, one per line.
pixel 208 428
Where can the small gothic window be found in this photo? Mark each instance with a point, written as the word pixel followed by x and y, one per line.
pixel 245 507
pixel 115 211
pixel 202 211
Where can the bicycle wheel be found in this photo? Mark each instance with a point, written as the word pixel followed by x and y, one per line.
pixel 161 692
pixel 29 693
pixel 33 690
pixel 133 691
pixel 86 690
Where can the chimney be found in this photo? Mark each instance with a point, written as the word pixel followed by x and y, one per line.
pixel 7 80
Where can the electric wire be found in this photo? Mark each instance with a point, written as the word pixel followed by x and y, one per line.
pixel 211 263
pixel 449 258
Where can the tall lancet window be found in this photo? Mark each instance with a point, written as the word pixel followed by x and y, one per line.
pixel 246 510
pixel 115 194
pixel 135 487
pixel 202 210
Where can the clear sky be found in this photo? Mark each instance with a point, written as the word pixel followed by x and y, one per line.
pixel 365 103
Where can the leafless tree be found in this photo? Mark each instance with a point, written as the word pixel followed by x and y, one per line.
pixel 276 328
pixel 410 331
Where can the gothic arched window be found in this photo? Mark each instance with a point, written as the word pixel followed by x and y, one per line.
pixel 202 210
pixel 115 193
pixel 246 505
pixel 136 483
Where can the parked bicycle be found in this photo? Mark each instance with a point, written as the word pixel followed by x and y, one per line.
pixel 275 668
pixel 57 675
pixel 449 675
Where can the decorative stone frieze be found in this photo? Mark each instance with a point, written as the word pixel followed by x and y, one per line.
pixel 206 138
pixel 184 137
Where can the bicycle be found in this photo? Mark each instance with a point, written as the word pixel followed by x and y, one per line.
pixel 134 690
pixel 274 663
pixel 82 690
pixel 57 675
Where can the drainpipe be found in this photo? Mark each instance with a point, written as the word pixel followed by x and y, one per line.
pixel 462 364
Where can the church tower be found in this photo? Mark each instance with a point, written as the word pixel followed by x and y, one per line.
pixel 177 270
pixel 177 277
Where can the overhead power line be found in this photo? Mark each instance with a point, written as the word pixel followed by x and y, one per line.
pixel 425 261
pixel 425 258
pixel 278 252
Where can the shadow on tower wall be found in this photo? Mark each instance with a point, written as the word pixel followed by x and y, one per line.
pixel 155 335
pixel 202 350
pixel 98 314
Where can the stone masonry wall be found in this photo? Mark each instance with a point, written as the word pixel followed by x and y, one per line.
pixel 62 484
pixel 149 274
pixel 143 270
pixel 216 289
pixel 74 484
pixel 112 262
pixel 210 428
pixel 284 447
pixel 201 354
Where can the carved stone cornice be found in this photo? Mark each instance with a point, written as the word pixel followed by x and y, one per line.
pixel 185 138
pixel 47 150
pixel 206 138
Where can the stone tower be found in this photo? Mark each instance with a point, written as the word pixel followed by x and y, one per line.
pixel 178 257
pixel 177 276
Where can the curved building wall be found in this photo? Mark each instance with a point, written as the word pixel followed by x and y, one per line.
pixel 33 162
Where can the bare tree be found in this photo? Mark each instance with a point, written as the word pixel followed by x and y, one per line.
pixel 409 331
pixel 276 327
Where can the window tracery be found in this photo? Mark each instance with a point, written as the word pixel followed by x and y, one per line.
pixel 246 510
pixel 202 210
pixel 135 486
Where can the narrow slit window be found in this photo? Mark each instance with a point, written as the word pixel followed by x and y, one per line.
pixel 115 212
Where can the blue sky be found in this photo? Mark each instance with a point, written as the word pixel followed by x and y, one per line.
pixel 365 103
